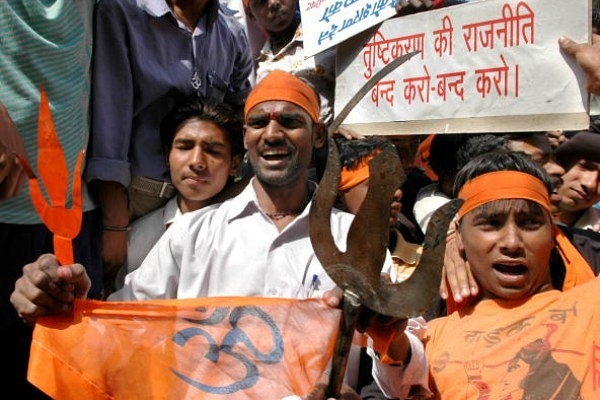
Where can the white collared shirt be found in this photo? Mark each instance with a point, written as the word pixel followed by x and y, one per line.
pixel 235 250
pixel 145 232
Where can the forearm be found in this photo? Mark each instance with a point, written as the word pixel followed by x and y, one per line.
pixel 113 200
pixel 405 369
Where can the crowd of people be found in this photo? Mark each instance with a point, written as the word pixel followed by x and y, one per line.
pixel 198 129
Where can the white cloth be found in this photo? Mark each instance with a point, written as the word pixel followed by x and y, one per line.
pixel 429 199
pixel 144 234
pixel 590 219
pixel 397 382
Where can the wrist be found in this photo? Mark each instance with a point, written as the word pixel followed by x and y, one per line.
pixel 116 228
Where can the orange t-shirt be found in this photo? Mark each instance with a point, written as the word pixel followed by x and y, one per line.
pixel 546 347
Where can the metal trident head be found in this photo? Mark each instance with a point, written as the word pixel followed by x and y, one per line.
pixel 358 268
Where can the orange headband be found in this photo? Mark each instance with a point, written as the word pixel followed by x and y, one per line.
pixel 502 185
pixel 359 173
pixel 283 86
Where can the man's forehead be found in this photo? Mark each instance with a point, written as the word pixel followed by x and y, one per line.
pixel 276 106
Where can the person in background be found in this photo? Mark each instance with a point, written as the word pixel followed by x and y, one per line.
pixel 442 161
pixel 255 34
pixel 204 148
pixel 203 252
pixel 148 56
pixel 587 57
pixel 45 45
pixel 546 339
pixel 354 183
pixel 580 191
pixel 284 50
pixel 355 155
pixel 556 138
pixel 12 173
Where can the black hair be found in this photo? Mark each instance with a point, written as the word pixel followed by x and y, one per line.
pixel 501 161
pixel 193 107
pixel 352 151
pixel 443 151
pixel 477 145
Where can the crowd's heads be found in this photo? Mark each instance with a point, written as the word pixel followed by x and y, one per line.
pixel 442 153
pixel 583 146
pixel 283 86
pixel 476 145
pixel 355 156
pixel 193 108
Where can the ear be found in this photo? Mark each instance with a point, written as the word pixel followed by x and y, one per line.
pixel 167 156
pixel 454 225
pixel 319 135
pixel 244 135
pixel 236 161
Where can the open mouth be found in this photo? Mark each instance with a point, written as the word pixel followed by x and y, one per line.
pixel 519 269
pixel 274 155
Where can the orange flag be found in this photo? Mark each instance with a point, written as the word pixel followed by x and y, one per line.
pixel 63 222
pixel 208 348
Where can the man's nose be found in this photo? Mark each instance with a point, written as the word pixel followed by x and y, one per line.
pixel 198 159
pixel 511 238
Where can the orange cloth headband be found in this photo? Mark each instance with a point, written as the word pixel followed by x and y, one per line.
pixel 502 185
pixel 352 177
pixel 283 86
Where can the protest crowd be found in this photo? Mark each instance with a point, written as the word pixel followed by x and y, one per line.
pixel 158 152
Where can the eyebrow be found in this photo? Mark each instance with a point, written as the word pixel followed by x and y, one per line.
pixel 209 142
pixel 274 115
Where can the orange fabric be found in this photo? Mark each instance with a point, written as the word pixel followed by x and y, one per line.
pixel 577 268
pixel 350 177
pixel 422 157
pixel 63 222
pixel 382 338
pixel 543 348
pixel 207 348
pixel 502 185
pixel 283 86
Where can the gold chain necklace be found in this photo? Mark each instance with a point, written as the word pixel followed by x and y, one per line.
pixel 280 215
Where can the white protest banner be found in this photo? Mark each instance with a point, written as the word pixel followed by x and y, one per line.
pixel 326 23
pixel 489 66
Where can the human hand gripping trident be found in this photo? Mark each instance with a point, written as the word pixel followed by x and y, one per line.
pixel 63 222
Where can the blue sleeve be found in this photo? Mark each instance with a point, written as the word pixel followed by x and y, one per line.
pixel 112 96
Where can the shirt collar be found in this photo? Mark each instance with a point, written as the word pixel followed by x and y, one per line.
pixel 171 211
pixel 246 202
pixel 159 8
pixel 266 50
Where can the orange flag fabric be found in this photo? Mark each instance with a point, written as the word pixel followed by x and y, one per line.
pixel 207 348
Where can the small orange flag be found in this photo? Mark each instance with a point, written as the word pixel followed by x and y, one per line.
pixel 207 348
